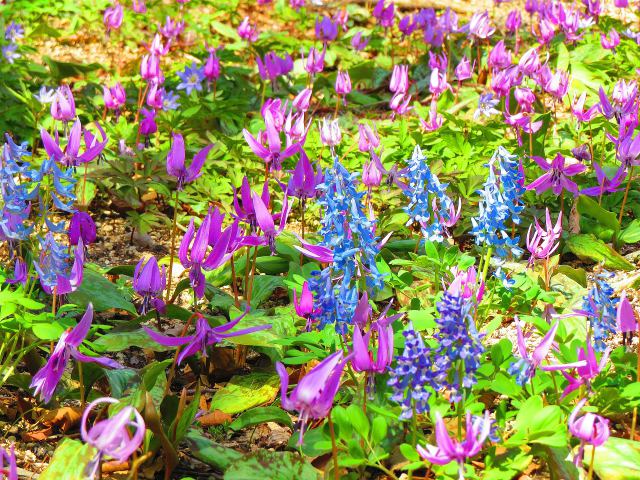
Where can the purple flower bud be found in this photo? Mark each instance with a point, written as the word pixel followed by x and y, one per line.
pixel 399 103
pixel 463 70
pixel 514 20
pixel 499 57
pixel 149 281
pixel 113 17
pixel 384 15
pixel 114 97
pixel 150 67
pixel 303 304
pixel 525 98
pixel 82 227
pixel 371 176
pixel 247 31
pixel 20 273
pixel 368 139
pixel 212 67
pixel 343 83
pixel 315 60
pixel 303 99
pixel 139 6
pixel 148 122
pixel 399 82
pixel 359 42
pixel 63 106
pixel 621 3
pixel 326 30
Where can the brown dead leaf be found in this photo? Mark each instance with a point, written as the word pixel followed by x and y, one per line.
pixel 38 435
pixel 64 418
pixel 114 466
pixel 217 417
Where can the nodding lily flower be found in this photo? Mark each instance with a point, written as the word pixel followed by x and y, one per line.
pixel 11 470
pixel 384 15
pixel 247 31
pixel 114 97
pixel 556 176
pixel 113 17
pixel 525 98
pixel 479 26
pixel 407 25
pixel 577 108
pixel 513 21
pixel 435 120
pixel 139 6
pixel 273 155
pixel 314 62
pixel 628 149
pixel 605 184
pixel 274 66
pixel 171 28
pixel 529 62
pixel 626 320
pixel 544 240
pixel 304 180
pixel 581 153
pixel 63 106
pixel 343 83
pixel 302 100
pixel 611 41
pixel 82 228
pixel 587 372
pixel 71 156
pixel 319 253
pixel 46 380
pixel 399 104
pixel 204 336
pixel 368 138
pixel 463 70
pixel 465 284
pixel 326 30
pixel 499 57
pixel 303 305
pixel 525 367
pixel 558 84
pixel 176 162
pixel 366 360
pixel 438 82
pixel 399 82
pixel 148 123
pixel 371 176
pixel 193 252
pixel 313 397
pixel 243 203
pixel 448 217
pixel 266 223
pixel 157 47
pixel 359 42
pixel 449 449
pixel 20 273
pixel 111 437
pixel 330 134
pixel 212 66
pixel 149 282
pixel 590 429
pixel 150 67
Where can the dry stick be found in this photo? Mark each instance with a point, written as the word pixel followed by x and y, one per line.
pixel 334 449
pixel 626 194
pixel 173 245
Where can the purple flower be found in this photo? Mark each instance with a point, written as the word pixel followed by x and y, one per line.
pixel 266 223
pixel 544 240
pixel 435 120
pixel 558 84
pixel 150 67
pixel 529 63
pixel 157 47
pixel 605 184
pixel 343 83
pixel 525 98
pixel 212 66
pixel 486 106
pixel 330 133
pixel 480 25
pixel 399 82
pixel 171 28
pixel 20 273
pixel 590 429
pixel 581 153
pixel 314 63
pixel 359 42
pixel 610 42
pixel 112 436
pixel 556 176
pixel 371 176
pixel 626 319
pixel 438 82
pixel 148 122
pixel 71 156
pixel 513 21
pixel 303 99
pixel 114 97
pixel 384 15
pixel 192 78
pixel 315 252
pixel 365 360
pixel 463 69
pixel 46 379
pixel 274 66
pixel 368 138
pixel 82 228
pixel 149 282
pixel 113 17
pixel 176 161
pixel 313 397
pixel 303 180
pixel 590 369
pixel 449 449
pixel 326 29
pixel 628 149
pixel 303 305
pixel 204 336
pixel 273 155
pixel 11 470
pixel 139 6
pixel 63 106
pixel 399 104
pixel 577 108
pixel 499 57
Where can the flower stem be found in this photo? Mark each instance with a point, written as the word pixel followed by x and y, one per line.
pixel 334 449
pixel 173 245
pixel 172 371
pixel 485 268
pixel 234 285
pixel 593 455
pixel 634 420
pixel 626 194
pixel 81 381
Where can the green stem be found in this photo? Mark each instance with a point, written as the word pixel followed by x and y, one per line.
pixel 173 245
pixel 485 268
pixel 334 449
pixel 626 194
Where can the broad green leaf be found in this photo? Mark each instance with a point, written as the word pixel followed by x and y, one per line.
pixel 70 461
pixel 589 247
pixel 259 415
pixel 210 452
pixel 631 234
pixel 263 287
pixel 589 207
pixel 60 70
pixel 101 292
pixel 245 391
pixel 617 459
pixel 119 341
pixel 264 464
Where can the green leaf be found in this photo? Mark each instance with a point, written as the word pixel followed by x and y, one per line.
pixel 119 341
pixel 245 391
pixel 359 420
pixel 631 234
pixel 264 464
pixel 259 415
pixel 69 461
pixel 209 452
pixel 60 70
pixel 589 207
pixel 617 459
pixel 561 467
pixel 378 430
pixel 589 247
pixel 101 292
pixel 263 287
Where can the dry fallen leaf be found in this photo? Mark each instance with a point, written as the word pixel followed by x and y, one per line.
pixel 216 417
pixel 64 418
pixel 37 436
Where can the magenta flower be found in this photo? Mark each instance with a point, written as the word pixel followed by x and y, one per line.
pixel 558 84
pixel 266 223
pixel 513 21
pixel 499 57
pixel 82 228
pixel 111 437
pixel 556 176
pixel 371 176
pixel 11 470
pixel 330 133
pixel 326 30
pixel 463 69
pixel 212 66
pixel 139 6
pixel 399 104
pixel 611 41
pixel 626 319
pixel 366 360
pixel 544 241
pixel 368 138
pixel 529 62
pixel 204 336
pixel 605 184
pixel 438 82
pixel 448 450
pixel 113 17
pixel 589 369
pixel 577 108
pixel 148 123
pixel 315 252
pixel 304 180
pixel 465 284
pixel 70 156
pixel 359 42
pixel 590 429
pixel 303 305
pixel 150 67
pixel 303 99
pixel 314 62
pixel 384 15
pixel 20 273
pixel 480 25
pixel 171 28
pixel 274 154
pixel 273 66
pixel 313 397
pixel 63 105
pixel 47 378
pixel 149 282
pixel 343 83
pixel 399 82
pixel 114 97
pixel 176 162
pixel 435 120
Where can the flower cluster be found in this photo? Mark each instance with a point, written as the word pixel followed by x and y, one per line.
pixel 600 307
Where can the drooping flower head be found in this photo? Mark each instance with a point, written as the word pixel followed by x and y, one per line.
pixel 176 162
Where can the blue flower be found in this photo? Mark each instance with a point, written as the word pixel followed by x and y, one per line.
pixel 600 307
pixel 486 106
pixel 192 78
pixel 170 101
